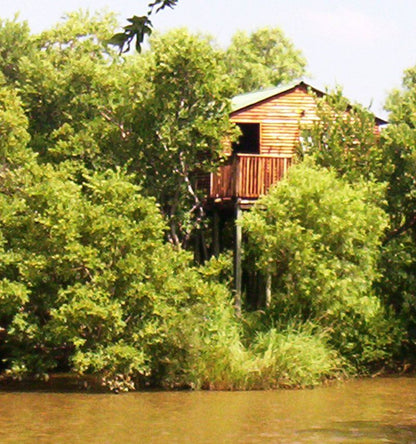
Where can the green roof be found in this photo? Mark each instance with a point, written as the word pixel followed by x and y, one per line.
pixel 245 100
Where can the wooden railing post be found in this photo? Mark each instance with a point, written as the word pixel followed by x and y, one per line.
pixel 248 176
pixel 237 176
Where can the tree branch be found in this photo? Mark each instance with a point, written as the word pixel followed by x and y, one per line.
pixel 410 223
pixel 139 27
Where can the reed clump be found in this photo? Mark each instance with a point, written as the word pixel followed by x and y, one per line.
pixel 219 356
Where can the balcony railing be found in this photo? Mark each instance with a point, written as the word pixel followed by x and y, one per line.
pixel 248 175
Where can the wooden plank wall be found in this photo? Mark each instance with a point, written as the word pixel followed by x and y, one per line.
pixel 280 119
pixel 224 180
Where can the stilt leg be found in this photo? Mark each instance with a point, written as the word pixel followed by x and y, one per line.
pixel 216 234
pixel 237 261
pixel 268 290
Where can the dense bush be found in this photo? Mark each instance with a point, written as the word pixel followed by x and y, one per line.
pixel 90 287
pixel 319 238
pixel 88 284
pixel 295 357
pixel 219 356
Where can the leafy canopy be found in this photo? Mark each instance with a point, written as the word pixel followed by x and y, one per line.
pixel 345 138
pixel 263 59
pixel 319 238
pixel 87 283
pixel 180 124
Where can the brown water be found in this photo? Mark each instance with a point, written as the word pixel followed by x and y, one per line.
pixel 366 411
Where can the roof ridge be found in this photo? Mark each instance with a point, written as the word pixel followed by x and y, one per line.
pixel 282 87
pixel 247 99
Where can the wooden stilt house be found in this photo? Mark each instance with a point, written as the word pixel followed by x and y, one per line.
pixel 271 123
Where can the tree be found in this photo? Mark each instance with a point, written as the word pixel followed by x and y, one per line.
pixel 400 141
pixel 398 264
pixel 262 59
pixel 14 153
pixel 163 113
pixel 88 284
pixel 15 43
pixel 65 84
pixel 345 138
pixel 180 125
pixel 319 238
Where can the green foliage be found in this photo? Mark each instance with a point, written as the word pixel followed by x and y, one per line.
pixel 397 285
pixel 313 228
pixel 139 27
pixel 180 124
pixel 210 352
pixel 15 43
pixel 14 136
pixel 400 142
pixel 344 138
pixel 212 355
pixel 262 59
pixel 319 238
pixel 164 113
pixel 219 268
pixel 295 357
pixel 87 281
pixel 65 84
pixel 218 359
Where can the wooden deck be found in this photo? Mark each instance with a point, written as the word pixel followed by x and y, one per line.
pixel 248 176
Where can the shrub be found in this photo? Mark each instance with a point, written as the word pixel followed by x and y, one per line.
pixel 88 283
pixel 319 238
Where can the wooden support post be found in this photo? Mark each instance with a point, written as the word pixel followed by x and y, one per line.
pixel 216 234
pixel 237 260
pixel 197 250
pixel 268 289
pixel 204 249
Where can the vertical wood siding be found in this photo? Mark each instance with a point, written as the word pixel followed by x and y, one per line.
pixel 248 176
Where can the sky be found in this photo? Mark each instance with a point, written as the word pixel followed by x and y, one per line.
pixel 364 46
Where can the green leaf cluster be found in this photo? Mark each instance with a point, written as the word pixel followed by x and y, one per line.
pixel 344 137
pixel 319 238
pixel 264 58
pixel 88 284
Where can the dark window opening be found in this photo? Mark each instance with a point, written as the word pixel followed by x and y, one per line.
pixel 249 140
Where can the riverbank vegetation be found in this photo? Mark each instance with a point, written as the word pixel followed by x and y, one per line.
pixel 99 209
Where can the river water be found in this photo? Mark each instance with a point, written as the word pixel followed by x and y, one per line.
pixel 360 411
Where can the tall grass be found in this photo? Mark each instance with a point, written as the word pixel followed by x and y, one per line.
pixel 294 357
pixel 215 357
pixel 212 355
